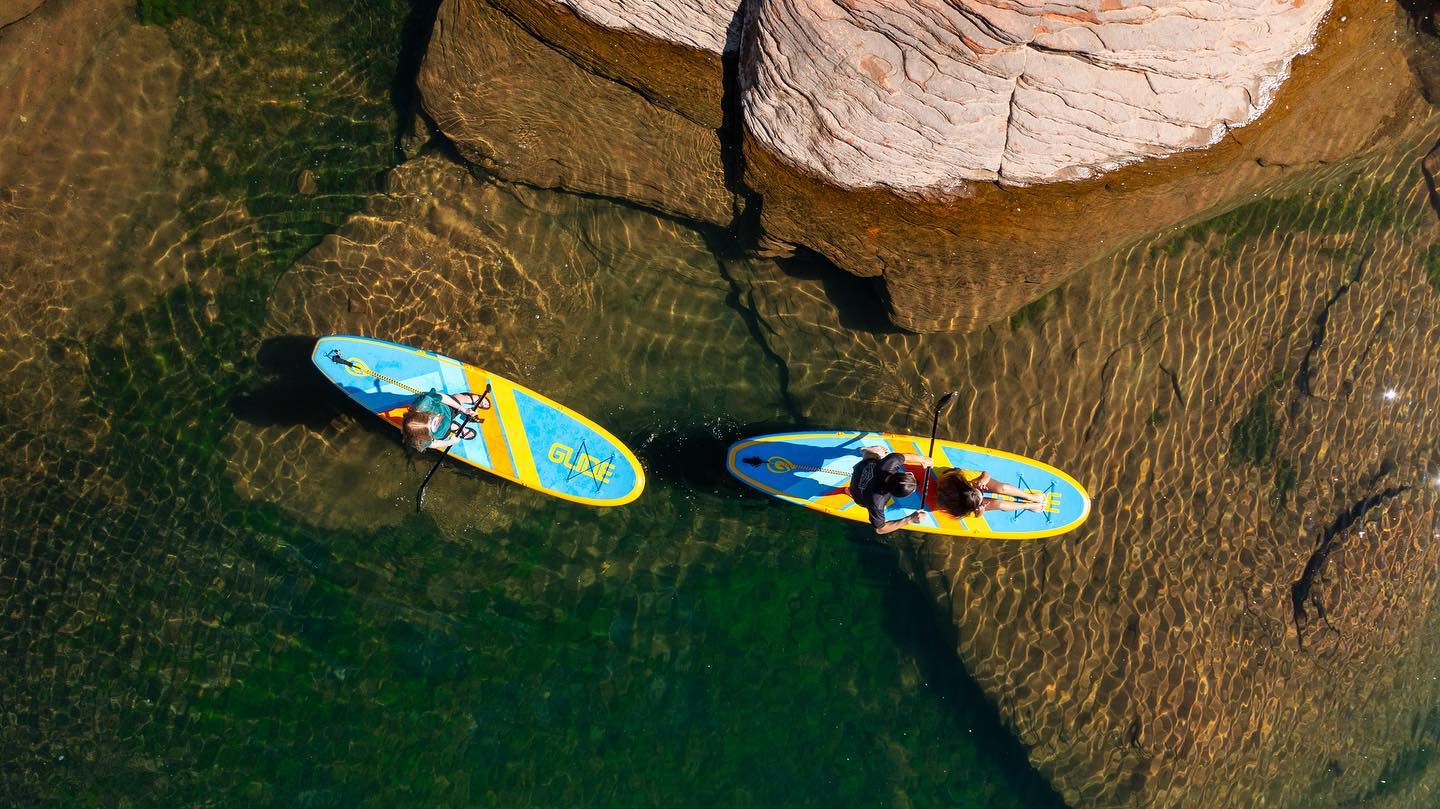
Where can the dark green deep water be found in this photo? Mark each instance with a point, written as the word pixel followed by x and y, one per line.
pixel 168 642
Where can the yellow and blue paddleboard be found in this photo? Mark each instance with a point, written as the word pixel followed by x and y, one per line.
pixel 813 470
pixel 525 437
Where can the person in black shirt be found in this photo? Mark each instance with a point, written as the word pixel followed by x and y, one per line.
pixel 881 475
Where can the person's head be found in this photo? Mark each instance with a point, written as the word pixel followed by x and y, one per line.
pixel 955 495
pixel 900 484
pixel 415 428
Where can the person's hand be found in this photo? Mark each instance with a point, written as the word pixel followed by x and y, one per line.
pixel 928 463
pixel 913 517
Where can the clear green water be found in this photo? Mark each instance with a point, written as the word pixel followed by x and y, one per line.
pixel 169 642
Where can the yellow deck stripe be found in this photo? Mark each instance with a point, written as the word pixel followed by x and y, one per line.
pixel 490 431
pixel 835 501
pixel 515 432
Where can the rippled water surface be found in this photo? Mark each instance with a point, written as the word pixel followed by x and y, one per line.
pixel 215 591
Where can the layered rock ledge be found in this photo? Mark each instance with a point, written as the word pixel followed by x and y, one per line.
pixel 890 141
pixel 922 96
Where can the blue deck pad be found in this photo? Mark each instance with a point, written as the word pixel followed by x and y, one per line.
pixel 571 457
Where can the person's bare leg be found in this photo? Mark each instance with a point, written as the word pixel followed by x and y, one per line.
pixel 1000 487
pixel 1012 505
pixel 473 400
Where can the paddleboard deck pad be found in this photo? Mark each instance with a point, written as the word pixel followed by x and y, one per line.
pixel 813 469
pixel 525 437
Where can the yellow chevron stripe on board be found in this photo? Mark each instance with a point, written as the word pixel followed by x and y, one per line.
pixel 515 433
pixel 490 431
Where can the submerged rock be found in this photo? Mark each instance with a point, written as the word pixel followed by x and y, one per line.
pixel 306 183
pixel 525 112
pixel 90 99
pixel 883 139
pixel 12 10
pixel 1249 616
pixel 669 51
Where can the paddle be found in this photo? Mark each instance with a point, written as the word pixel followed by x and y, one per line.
pixel 934 428
pixel 420 495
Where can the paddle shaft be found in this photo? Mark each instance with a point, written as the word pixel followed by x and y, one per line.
pixel 934 428
pixel 420 495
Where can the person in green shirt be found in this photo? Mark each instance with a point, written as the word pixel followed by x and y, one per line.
pixel 432 421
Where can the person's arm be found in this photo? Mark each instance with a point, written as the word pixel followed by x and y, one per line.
pixel 442 443
pixel 891 526
pixel 911 457
pixel 875 453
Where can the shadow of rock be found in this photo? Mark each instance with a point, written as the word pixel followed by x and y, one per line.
pixel 910 614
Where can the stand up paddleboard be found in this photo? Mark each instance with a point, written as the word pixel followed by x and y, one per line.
pixel 813 470
pixel 525 437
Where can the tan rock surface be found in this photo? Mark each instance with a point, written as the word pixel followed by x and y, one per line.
pixel 508 103
pixel 925 96
pixel 83 167
pixel 968 262
pixel 42 47
pixel 12 10
pixel 698 24
pixel 1251 404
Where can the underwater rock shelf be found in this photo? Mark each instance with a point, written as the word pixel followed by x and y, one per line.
pixel 972 157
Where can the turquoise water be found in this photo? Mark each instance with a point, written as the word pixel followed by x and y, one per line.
pixel 172 641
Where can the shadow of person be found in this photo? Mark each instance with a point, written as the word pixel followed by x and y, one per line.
pixel 695 456
pixel 910 621
pixel 292 391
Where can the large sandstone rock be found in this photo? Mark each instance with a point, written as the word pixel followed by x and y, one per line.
pixel 1251 405
pixel 509 103
pixel 952 250
pixel 966 262
pixel 921 97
